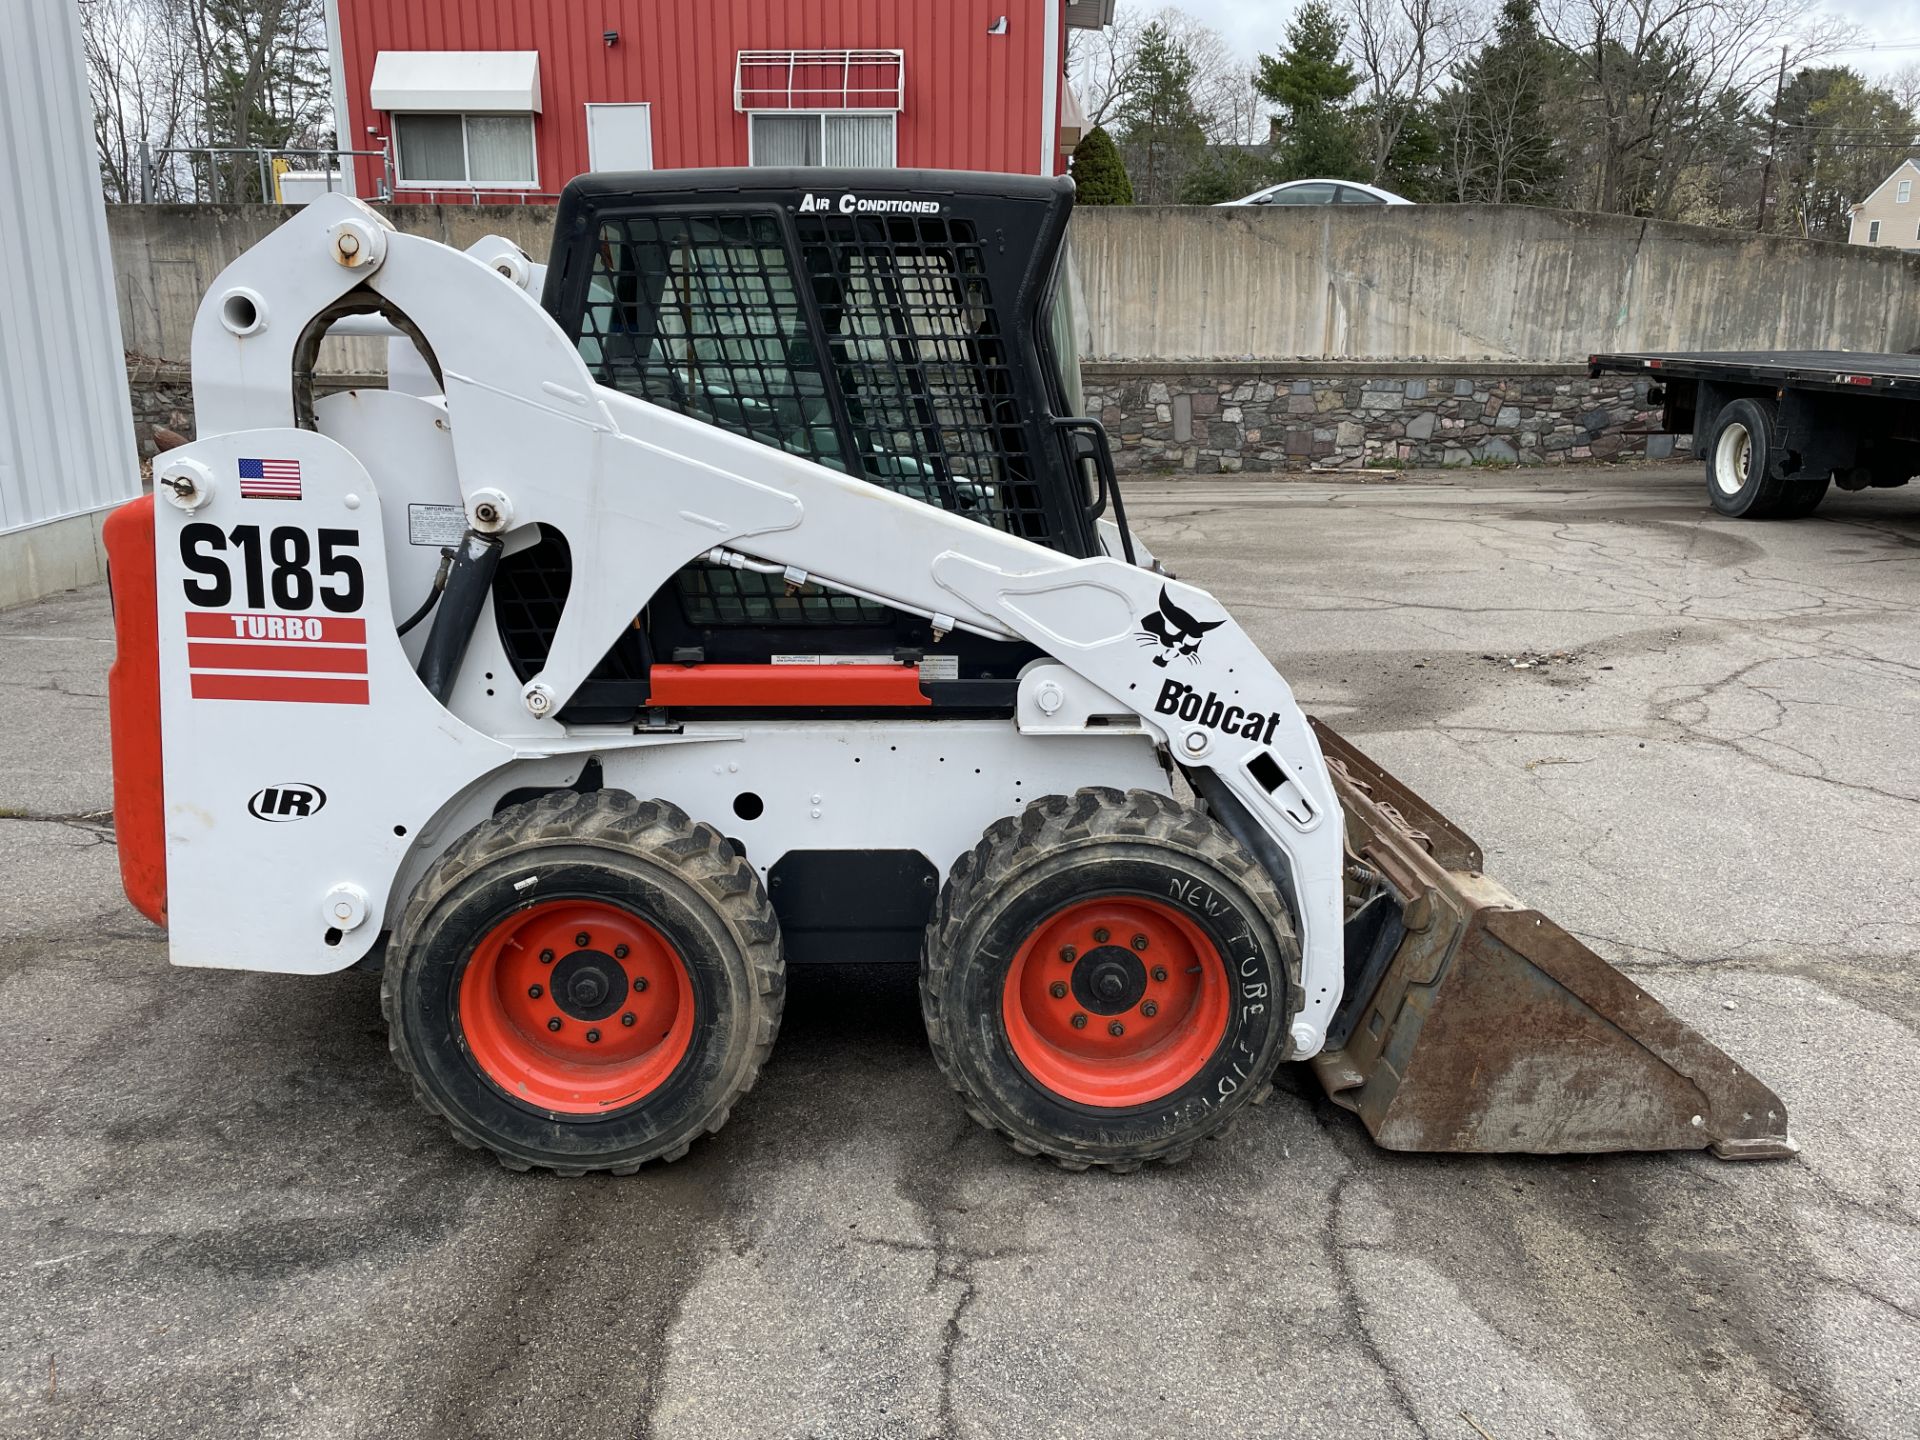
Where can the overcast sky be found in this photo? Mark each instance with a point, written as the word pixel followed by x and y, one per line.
pixel 1256 25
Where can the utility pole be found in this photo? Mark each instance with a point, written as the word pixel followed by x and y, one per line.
pixel 1773 129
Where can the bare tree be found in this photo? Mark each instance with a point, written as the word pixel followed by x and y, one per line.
pixel 1103 66
pixel 179 76
pixel 1904 85
pixel 1659 75
pixel 1402 50
pixel 142 80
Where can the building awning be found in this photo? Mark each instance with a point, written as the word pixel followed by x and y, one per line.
pixel 1073 120
pixel 461 80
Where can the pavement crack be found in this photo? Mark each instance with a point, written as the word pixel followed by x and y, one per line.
pixel 1347 1286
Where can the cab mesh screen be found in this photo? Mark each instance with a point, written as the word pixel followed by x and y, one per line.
pixel 704 314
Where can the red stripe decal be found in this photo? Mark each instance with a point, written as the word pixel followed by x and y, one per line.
pixel 306 658
pixel 298 689
pixel 810 687
pixel 246 625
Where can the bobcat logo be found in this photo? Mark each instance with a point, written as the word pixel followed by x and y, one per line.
pixel 1175 631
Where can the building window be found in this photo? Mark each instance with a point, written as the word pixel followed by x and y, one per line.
pixel 1873 232
pixel 468 150
pixel 820 139
pixel 1903 192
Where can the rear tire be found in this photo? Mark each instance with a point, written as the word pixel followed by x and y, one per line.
pixel 1148 922
pixel 1800 498
pixel 585 982
pixel 1738 455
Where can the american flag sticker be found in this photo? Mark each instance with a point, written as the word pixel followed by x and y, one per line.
pixel 269 479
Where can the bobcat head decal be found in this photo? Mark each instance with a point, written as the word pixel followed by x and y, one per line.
pixel 1174 631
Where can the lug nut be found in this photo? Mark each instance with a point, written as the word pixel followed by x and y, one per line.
pixel 1058 989
pixel 1160 972
pixel 1116 1029
pixel 1101 936
pixel 1150 1009
pixel 554 1023
pixel 1139 942
pixel 1068 953
pixel 593 1037
pixel 583 939
pixel 534 992
pixel 546 957
pixel 627 1019
pixel 640 985
pixel 619 952
pixel 1079 1021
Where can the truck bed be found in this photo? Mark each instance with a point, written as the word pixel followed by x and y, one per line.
pixel 1848 371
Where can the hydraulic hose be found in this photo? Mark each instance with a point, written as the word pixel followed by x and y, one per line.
pixel 469 578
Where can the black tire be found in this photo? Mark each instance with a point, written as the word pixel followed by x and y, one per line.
pixel 1800 498
pixel 1741 458
pixel 1029 870
pixel 637 861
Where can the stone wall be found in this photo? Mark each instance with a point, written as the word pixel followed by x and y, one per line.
pixel 162 396
pixel 1215 419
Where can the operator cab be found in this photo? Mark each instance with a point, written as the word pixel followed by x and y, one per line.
pixel 912 328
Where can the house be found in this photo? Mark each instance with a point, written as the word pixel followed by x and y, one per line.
pixel 1891 214
pixel 509 101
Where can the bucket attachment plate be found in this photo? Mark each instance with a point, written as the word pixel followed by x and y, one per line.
pixel 1491 1029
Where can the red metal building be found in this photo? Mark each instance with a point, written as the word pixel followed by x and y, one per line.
pixel 508 100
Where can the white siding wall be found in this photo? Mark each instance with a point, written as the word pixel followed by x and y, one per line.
pixel 66 429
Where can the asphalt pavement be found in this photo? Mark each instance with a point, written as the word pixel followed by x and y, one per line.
pixel 1690 739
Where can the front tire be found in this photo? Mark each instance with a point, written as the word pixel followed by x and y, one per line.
pixel 585 982
pixel 1108 978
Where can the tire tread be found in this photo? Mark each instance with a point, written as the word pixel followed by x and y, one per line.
pixel 703 857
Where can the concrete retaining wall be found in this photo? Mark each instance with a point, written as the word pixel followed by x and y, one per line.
pixel 1461 328
pixel 166 257
pixel 1470 282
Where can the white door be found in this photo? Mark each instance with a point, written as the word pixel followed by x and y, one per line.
pixel 620 137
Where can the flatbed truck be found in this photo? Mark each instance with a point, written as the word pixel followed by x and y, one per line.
pixel 1776 428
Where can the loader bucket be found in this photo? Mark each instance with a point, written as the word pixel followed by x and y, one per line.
pixel 1474 1024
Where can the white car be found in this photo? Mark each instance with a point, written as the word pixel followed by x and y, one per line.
pixel 1321 192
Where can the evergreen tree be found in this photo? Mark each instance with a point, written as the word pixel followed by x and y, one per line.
pixel 1415 165
pixel 1226 172
pixel 1098 173
pixel 1502 148
pixel 1160 127
pixel 1837 137
pixel 1312 84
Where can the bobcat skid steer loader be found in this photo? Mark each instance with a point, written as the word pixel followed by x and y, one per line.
pixel 745 588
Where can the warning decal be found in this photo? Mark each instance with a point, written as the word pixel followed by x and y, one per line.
pixel 303 659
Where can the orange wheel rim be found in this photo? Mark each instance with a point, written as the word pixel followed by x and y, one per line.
pixel 1115 1002
pixel 576 1007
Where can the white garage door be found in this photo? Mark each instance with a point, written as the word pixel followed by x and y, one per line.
pixel 620 137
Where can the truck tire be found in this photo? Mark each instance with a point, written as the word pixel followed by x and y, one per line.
pixel 1108 979
pixel 585 982
pixel 1739 463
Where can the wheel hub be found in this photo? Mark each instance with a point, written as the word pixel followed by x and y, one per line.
pixel 589 985
pixel 1108 980
pixel 1115 1001
pixel 576 1006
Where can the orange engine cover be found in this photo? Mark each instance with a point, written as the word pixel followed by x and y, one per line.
pixel 133 704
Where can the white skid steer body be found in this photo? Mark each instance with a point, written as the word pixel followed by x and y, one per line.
pixel 273 536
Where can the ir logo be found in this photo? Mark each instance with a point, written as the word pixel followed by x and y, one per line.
pixel 278 804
